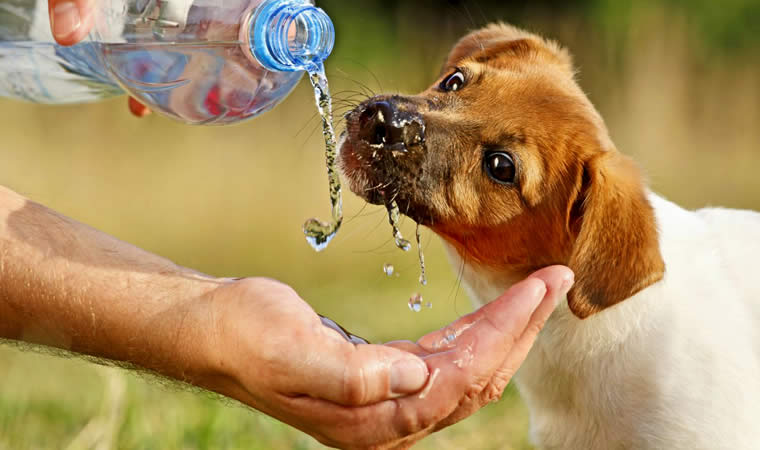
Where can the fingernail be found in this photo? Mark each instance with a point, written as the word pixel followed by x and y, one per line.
pixel 567 283
pixel 408 376
pixel 65 19
pixel 138 109
pixel 540 291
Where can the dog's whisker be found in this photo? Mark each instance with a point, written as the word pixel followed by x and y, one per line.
pixel 469 15
pixel 458 284
pixel 350 99
pixel 305 125
pixel 372 74
pixel 482 13
pixel 380 186
pixel 353 92
pixel 360 214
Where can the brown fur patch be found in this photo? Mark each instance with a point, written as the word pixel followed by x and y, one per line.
pixel 494 42
pixel 616 253
pixel 575 200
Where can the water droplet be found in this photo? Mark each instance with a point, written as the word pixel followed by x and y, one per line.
pixel 388 269
pixel 415 303
pixel 318 233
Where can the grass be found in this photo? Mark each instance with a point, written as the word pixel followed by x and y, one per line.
pixel 231 201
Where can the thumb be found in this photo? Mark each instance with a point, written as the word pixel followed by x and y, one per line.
pixel 357 375
pixel 70 20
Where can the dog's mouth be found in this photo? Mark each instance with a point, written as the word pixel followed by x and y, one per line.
pixel 382 156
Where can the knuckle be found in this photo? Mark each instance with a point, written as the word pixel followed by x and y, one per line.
pixel 535 327
pixel 426 422
pixel 472 394
pixel 264 285
pixel 493 392
pixel 350 429
pixel 409 421
pixel 354 384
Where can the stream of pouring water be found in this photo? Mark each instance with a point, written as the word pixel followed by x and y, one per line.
pixel 394 216
pixel 416 301
pixel 318 233
pixel 423 275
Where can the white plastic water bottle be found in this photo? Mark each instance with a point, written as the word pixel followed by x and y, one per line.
pixel 200 61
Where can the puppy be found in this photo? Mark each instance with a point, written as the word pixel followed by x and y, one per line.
pixel 504 157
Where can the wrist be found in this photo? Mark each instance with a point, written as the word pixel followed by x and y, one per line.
pixel 173 333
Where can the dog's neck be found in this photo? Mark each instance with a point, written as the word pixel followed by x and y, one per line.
pixel 565 334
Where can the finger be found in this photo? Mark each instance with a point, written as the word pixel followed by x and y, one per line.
pixel 70 20
pixel 508 314
pixel 408 346
pixel 355 375
pixel 341 426
pixel 138 109
pixel 464 364
pixel 457 374
pixel 558 282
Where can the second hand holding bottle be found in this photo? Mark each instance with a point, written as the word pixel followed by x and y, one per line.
pixel 211 62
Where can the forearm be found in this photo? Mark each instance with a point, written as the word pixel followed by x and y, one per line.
pixel 66 285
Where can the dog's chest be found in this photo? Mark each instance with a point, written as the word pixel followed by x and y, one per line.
pixel 667 368
pixel 585 392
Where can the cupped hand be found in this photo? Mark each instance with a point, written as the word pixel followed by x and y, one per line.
pixel 70 22
pixel 268 349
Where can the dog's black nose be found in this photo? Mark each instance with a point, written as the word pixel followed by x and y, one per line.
pixel 381 124
pixel 379 127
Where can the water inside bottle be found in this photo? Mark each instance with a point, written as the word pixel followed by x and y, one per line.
pixel 208 83
pixel 318 233
pixel 44 72
pixel 202 83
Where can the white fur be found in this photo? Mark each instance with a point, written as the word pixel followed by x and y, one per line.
pixel 677 366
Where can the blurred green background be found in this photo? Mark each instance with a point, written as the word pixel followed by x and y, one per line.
pixel 678 82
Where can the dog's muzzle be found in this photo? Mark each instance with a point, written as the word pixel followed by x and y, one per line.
pixel 383 125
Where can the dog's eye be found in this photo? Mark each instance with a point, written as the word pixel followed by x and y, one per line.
pixel 500 167
pixel 453 82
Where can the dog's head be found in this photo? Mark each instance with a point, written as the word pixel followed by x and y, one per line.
pixel 507 160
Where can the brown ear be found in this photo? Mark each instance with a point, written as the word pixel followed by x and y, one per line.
pixel 500 40
pixel 616 252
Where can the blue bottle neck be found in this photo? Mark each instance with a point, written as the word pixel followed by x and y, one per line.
pixel 291 35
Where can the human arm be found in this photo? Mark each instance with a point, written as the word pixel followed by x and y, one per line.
pixel 68 286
